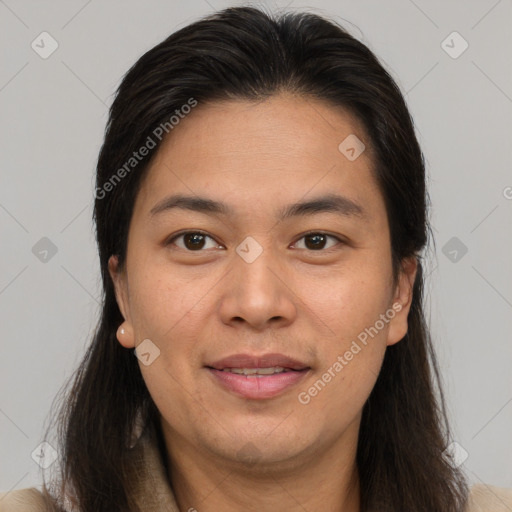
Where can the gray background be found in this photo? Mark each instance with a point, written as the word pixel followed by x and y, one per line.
pixel 53 113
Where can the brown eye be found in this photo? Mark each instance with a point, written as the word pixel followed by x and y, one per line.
pixel 317 241
pixel 192 241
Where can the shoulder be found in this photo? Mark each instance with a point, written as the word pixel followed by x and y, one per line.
pixel 23 500
pixel 483 498
pixel 487 498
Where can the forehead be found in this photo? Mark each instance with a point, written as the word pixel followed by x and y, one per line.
pixel 285 126
pixel 253 153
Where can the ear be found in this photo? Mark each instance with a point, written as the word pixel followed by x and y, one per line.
pixel 402 300
pixel 125 333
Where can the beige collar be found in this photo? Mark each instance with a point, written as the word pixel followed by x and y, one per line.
pixel 153 491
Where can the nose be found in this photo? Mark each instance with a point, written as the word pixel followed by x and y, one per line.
pixel 258 293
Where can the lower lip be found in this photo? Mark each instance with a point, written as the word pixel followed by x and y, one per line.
pixel 258 388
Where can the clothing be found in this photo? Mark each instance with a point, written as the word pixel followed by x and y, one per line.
pixel 154 492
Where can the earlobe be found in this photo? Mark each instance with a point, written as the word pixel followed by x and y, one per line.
pixel 402 300
pixel 125 336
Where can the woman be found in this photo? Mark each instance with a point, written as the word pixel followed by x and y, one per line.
pixel 261 212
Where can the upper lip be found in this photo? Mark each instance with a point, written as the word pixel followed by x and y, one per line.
pixel 258 361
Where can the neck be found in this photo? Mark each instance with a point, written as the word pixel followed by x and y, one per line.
pixel 322 479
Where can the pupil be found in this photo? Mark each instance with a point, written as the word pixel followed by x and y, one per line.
pixel 194 238
pixel 318 238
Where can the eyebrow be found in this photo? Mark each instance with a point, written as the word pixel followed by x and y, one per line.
pixel 327 203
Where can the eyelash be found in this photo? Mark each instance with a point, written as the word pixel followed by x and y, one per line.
pixel 199 232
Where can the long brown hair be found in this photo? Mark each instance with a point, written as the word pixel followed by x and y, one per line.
pixel 246 53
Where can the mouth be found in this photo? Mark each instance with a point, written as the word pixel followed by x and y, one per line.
pixel 257 386
pixel 258 377
pixel 263 361
pixel 258 372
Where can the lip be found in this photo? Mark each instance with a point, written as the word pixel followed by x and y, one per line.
pixel 258 361
pixel 263 386
pixel 258 388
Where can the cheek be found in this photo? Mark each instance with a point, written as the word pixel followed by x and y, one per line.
pixel 353 343
pixel 161 302
pixel 350 302
pixel 350 355
pixel 169 309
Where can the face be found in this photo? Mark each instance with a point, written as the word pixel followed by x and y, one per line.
pixel 252 276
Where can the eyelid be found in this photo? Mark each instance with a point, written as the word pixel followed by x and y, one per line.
pixel 338 238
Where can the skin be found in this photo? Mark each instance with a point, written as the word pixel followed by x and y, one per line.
pixel 200 305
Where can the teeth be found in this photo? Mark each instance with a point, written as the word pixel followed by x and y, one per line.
pixel 255 371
